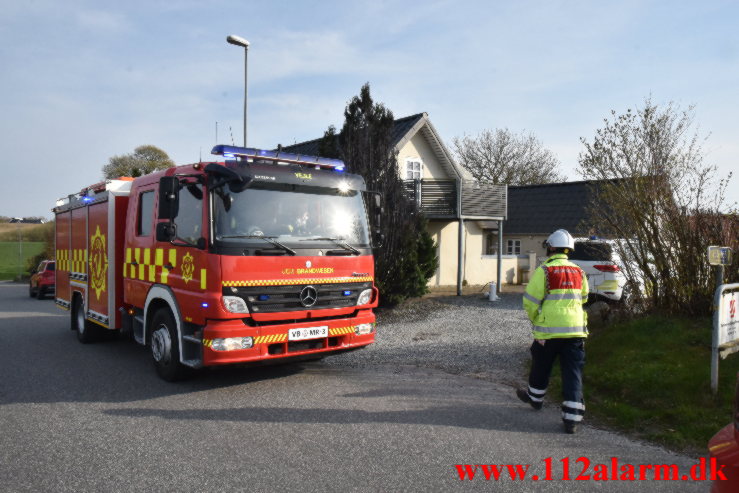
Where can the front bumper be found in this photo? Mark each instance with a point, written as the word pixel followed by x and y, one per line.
pixel 271 341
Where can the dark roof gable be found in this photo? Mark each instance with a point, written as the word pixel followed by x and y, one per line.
pixel 401 127
pixel 542 209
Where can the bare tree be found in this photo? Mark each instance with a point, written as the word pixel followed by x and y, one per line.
pixel 143 160
pixel 501 156
pixel 662 199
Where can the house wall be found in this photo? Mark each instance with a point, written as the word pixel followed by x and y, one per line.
pixel 418 147
pixel 445 235
pixel 479 269
pixel 529 243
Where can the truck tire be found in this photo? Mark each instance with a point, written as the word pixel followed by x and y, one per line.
pixel 165 347
pixel 87 332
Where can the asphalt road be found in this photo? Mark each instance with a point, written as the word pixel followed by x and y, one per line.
pixel 96 417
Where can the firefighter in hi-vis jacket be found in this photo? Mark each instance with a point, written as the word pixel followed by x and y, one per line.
pixel 554 301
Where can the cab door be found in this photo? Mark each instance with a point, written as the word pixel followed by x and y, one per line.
pixel 139 268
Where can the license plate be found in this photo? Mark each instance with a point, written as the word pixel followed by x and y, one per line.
pixel 307 333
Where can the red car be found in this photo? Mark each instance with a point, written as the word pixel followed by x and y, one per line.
pixel 724 447
pixel 42 280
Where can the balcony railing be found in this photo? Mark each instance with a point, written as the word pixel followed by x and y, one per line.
pixel 437 199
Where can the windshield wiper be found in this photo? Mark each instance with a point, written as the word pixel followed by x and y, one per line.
pixel 337 241
pixel 268 239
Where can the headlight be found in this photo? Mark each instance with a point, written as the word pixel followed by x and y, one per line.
pixel 234 304
pixel 363 329
pixel 232 343
pixel 364 297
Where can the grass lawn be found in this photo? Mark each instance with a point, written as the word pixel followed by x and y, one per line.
pixel 9 257
pixel 651 378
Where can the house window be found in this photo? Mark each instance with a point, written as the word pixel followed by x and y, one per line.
pixel 513 247
pixel 490 239
pixel 413 169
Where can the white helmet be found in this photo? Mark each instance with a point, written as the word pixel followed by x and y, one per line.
pixel 561 239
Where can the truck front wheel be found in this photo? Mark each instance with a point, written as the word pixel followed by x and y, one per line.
pixel 165 349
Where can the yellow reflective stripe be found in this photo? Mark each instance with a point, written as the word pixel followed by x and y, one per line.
pixel 270 339
pixel 277 282
pixel 159 257
pixel 152 273
pixel 173 257
pixel 203 279
pixel 341 331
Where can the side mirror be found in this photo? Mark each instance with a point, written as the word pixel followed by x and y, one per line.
pixel 169 198
pixel 376 215
pixel 166 232
pixel 378 239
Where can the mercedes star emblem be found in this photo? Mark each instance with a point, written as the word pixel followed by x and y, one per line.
pixel 308 296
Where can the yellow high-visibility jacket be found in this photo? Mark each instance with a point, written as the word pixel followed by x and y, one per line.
pixel 554 298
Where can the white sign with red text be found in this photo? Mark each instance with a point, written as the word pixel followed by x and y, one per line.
pixel 728 322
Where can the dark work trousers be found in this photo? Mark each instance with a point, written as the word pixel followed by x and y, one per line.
pixel 571 352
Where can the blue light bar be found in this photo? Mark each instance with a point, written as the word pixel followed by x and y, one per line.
pixel 230 152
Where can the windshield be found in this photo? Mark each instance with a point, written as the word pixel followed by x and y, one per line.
pixel 296 216
pixel 596 251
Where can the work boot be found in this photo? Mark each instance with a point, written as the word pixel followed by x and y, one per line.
pixel 524 396
pixel 570 426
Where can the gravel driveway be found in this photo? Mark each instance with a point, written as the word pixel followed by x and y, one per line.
pixel 463 335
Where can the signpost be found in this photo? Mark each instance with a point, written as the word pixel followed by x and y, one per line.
pixel 725 315
pixel 725 327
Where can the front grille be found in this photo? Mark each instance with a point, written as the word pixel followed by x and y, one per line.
pixel 270 299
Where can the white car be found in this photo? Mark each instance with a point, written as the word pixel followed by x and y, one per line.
pixel 602 266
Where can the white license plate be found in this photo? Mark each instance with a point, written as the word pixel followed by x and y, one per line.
pixel 307 333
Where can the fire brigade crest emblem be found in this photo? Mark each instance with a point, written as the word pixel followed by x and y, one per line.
pixel 188 267
pixel 98 262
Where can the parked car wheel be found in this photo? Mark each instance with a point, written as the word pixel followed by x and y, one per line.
pixel 31 292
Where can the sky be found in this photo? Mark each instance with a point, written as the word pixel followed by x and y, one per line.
pixel 83 81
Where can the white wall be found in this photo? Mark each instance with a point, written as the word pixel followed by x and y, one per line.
pixel 418 147
pixel 479 269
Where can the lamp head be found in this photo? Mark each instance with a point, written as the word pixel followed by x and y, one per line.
pixel 238 41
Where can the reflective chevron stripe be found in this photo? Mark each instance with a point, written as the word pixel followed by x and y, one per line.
pixel 287 282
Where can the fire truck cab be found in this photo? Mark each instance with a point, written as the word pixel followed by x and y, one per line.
pixel 257 258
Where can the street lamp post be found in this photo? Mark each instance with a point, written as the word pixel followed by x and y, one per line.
pixel 239 41
pixel 20 251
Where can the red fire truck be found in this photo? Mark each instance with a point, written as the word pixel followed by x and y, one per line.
pixel 258 258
